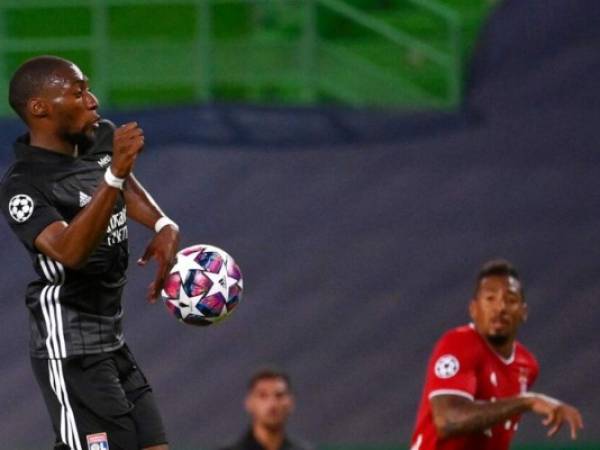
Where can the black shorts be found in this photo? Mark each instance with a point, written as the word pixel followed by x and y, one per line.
pixel 99 401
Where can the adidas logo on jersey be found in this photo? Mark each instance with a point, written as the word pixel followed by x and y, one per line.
pixel 84 199
pixel 104 161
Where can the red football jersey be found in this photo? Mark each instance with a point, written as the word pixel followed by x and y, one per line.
pixel 464 364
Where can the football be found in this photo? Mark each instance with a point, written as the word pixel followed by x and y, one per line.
pixel 204 286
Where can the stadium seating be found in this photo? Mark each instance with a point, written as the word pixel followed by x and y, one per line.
pixel 406 53
pixel 359 233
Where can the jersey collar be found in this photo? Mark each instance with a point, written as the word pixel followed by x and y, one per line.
pixel 506 361
pixel 26 152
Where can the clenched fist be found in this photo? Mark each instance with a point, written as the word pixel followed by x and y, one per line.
pixel 128 142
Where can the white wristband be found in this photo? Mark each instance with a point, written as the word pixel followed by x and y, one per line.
pixel 163 222
pixel 112 180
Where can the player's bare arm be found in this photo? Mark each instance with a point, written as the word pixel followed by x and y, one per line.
pixel 163 246
pixel 456 416
pixel 71 244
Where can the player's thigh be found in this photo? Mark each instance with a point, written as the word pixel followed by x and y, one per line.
pixel 148 422
pixel 87 403
pixel 145 413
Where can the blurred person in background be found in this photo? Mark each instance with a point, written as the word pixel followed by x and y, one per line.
pixel 67 197
pixel 269 403
pixel 478 377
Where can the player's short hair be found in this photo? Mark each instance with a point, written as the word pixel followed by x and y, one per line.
pixel 269 373
pixel 30 79
pixel 498 267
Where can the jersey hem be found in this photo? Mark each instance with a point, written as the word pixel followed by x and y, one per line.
pixel 457 392
pixel 88 351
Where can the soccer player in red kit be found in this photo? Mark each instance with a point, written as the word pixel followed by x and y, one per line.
pixel 478 377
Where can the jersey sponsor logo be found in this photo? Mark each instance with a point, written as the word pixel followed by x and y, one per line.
pixel 117 228
pixel 97 441
pixel 104 161
pixel 446 366
pixel 84 199
pixel 20 207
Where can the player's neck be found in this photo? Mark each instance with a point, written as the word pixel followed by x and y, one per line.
pixel 505 350
pixel 270 439
pixel 51 143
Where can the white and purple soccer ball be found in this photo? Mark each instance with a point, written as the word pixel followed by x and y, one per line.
pixel 204 286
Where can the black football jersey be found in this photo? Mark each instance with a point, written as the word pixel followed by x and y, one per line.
pixel 72 312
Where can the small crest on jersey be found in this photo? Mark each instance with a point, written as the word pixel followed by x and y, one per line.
pixel 493 379
pixel 97 441
pixel 446 366
pixel 20 207
pixel 84 199
pixel 523 379
pixel 104 161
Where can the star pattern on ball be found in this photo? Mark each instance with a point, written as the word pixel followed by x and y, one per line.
pixel 204 285
pixel 221 281
pixel 185 264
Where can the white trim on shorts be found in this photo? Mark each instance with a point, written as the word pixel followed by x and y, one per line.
pixel 55 344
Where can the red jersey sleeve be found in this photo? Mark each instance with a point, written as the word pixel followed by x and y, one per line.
pixel 452 369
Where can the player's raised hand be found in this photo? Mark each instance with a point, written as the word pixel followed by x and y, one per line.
pixel 128 142
pixel 163 247
pixel 556 413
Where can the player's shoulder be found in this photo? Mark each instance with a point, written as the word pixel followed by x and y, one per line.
pixel 20 176
pixel 524 356
pixel 105 131
pixel 106 124
pixel 6 177
pixel 462 335
pixel 101 149
pixel 462 340
pixel 296 443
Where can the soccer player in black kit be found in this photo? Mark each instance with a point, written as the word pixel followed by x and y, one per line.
pixel 67 197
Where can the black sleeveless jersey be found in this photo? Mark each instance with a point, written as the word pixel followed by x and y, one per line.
pixel 72 312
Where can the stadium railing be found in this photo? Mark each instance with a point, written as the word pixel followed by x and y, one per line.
pixel 152 52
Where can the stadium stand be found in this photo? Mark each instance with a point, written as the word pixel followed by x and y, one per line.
pixel 408 52
pixel 359 233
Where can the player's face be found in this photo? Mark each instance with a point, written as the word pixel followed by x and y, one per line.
pixel 498 308
pixel 270 403
pixel 72 106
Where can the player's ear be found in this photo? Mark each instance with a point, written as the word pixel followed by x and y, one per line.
pixel 37 107
pixel 472 311
pixel 525 312
pixel 248 404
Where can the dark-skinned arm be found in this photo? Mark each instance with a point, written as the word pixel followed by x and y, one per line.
pixel 141 207
pixel 454 415
pixel 72 244
pixel 163 246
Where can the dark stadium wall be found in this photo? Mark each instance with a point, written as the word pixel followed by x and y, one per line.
pixel 359 235
pixel 536 55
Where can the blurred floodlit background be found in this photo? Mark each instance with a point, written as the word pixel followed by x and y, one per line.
pixel 360 159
